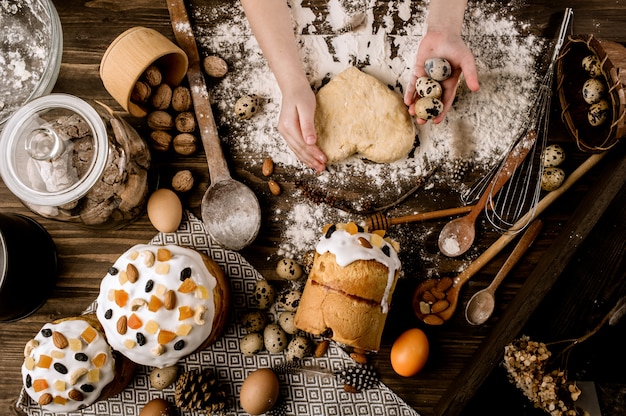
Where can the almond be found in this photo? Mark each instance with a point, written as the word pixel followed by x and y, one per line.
pixel 428 297
pixel 59 340
pixel 122 325
pixel 274 187
pixel 268 167
pixel 364 243
pixel 444 284
pixel 359 358
pixel 321 348
pixel 438 294
pixel 440 306
pixel 433 320
pixel 169 300
pixel 132 273
pixel 45 399
pixel 75 395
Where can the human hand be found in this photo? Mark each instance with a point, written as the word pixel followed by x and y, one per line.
pixel 296 125
pixel 450 46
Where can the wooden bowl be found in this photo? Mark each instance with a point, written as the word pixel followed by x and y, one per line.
pixel 130 54
pixel 570 79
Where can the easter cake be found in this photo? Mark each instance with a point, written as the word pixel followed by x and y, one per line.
pixel 69 365
pixel 347 294
pixel 159 304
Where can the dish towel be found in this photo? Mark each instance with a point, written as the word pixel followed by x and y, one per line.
pixel 301 392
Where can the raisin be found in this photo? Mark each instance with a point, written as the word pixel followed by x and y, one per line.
pixel 60 368
pixel 386 250
pixel 46 332
pixel 149 286
pixel 29 381
pixel 179 345
pixel 331 230
pixel 141 339
pixel 81 356
pixel 87 388
pixel 185 273
pixel 113 271
pixel 108 314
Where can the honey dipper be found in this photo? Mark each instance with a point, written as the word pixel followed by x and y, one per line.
pixel 380 221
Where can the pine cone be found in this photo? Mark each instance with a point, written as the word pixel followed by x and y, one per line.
pixel 199 389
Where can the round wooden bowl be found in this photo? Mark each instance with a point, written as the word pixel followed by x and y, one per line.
pixel 570 79
pixel 130 54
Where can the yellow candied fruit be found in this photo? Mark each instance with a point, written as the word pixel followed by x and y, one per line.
pixel 44 361
pixel 187 286
pixel 75 344
pixel 152 327
pixel 129 344
pixel 380 232
pixel 111 295
pixel 99 360
pixel 122 277
pixel 133 254
pixel 161 289
pixel 89 334
pixel 184 312
pixel 154 304
pixel 377 240
pixel 183 330
pixel 202 292
pixel 59 385
pixel 40 384
pixel 59 400
pixel 352 228
pixel 57 354
pixel 162 268
pixel 93 375
pixel 163 254
pixel 29 363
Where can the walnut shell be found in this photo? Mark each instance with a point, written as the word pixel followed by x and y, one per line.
pixel 181 99
pixel 141 92
pixel 185 122
pixel 160 140
pixel 182 181
pixel 160 120
pixel 161 97
pixel 214 66
pixel 185 144
pixel 152 75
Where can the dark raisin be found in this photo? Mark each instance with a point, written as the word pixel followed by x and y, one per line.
pixel 81 356
pixel 108 314
pixel 87 388
pixel 29 381
pixel 141 339
pixel 113 271
pixel 179 345
pixel 185 273
pixel 331 230
pixel 360 229
pixel 60 368
pixel 149 286
pixel 46 332
pixel 386 250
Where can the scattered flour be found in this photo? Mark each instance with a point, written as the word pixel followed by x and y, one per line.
pixel 475 134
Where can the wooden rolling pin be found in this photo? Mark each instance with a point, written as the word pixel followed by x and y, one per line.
pixel 380 221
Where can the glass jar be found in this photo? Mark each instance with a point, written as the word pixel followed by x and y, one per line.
pixel 72 160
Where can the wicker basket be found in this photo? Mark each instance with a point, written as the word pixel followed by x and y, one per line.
pixel 570 79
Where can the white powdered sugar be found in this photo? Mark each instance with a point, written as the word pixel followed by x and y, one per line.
pixel 475 134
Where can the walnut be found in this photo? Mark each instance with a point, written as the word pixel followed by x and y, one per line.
pixel 160 140
pixel 162 97
pixel 185 122
pixel 214 66
pixel 160 120
pixel 185 144
pixel 182 181
pixel 152 75
pixel 181 99
pixel 141 92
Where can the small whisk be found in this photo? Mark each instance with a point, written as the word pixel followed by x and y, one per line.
pixel 521 193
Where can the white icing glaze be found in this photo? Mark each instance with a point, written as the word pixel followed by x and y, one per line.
pixel 168 320
pixel 347 249
pixel 71 329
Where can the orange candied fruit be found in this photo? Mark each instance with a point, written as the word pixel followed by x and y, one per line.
pixel 134 322
pixel 40 384
pixel 187 286
pixel 163 254
pixel 59 400
pixel 352 228
pixel 99 360
pixel 184 312
pixel 89 334
pixel 44 361
pixel 121 297
pixel 165 336
pixel 379 232
pixel 154 304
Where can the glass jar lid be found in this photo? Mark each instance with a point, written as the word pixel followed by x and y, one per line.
pixel 53 150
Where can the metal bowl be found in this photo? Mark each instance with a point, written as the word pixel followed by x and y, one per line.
pixel 31 47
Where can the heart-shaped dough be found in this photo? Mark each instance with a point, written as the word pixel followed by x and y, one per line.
pixel 356 113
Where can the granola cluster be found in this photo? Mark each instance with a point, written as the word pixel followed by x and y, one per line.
pixel 526 363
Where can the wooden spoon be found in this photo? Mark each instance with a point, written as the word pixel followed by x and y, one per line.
pixel 230 210
pixel 458 235
pixel 480 306
pixel 451 294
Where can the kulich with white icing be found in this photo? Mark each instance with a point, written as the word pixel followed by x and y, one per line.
pixel 67 366
pixel 157 304
pixel 349 289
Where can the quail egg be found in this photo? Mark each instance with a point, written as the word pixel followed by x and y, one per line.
pixel 274 338
pixel 428 108
pixel 286 322
pixel 160 378
pixel 298 348
pixel 264 294
pixel 553 155
pixel 591 64
pixel 593 90
pixel 552 178
pixel 288 269
pixel 438 69
pixel 428 87
pixel 251 344
pixel 247 106
pixel 254 321
pixel 289 300
pixel 598 113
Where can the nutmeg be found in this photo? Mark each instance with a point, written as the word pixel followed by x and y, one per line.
pixel 214 66
pixel 185 144
pixel 152 75
pixel 160 140
pixel 185 122
pixel 160 120
pixel 162 97
pixel 181 99
pixel 182 181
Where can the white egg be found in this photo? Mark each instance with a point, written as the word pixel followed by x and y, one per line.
pixel 552 178
pixel 593 90
pixel 428 108
pixel 598 113
pixel 591 64
pixel 428 87
pixel 438 69
pixel 553 155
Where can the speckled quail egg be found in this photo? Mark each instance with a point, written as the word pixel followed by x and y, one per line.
pixel 553 155
pixel 591 64
pixel 438 69
pixel 264 294
pixel 289 300
pixel 287 323
pixel 247 106
pixel 251 344
pixel 428 108
pixel 593 90
pixel 299 347
pixel 552 178
pixel 274 338
pixel 428 87
pixel 288 269
pixel 598 113
pixel 254 321
pixel 161 378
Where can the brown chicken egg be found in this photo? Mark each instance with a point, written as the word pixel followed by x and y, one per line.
pixel 259 391
pixel 165 210
pixel 156 407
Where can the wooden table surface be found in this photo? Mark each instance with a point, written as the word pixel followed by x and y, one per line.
pixel 462 356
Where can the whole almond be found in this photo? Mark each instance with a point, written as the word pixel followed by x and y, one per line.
pixel 169 302
pixel 274 187
pixel 428 297
pixel 363 242
pixel 438 294
pixel 268 167
pixel 440 306
pixel 444 284
pixel 433 320
pixel 348 388
pixel 321 348
pixel 359 358
pixel 181 99
pixel 132 273
pixel 122 325
pixel 59 340
pixel 45 399
pixel 75 395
